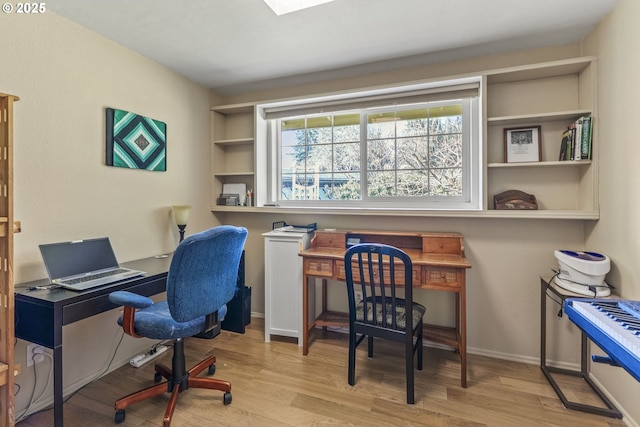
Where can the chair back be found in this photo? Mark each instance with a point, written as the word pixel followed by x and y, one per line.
pixel 203 272
pixel 379 271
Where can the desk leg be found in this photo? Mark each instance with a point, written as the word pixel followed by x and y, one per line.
pixel 543 325
pixel 58 417
pixel 461 308
pixel 305 315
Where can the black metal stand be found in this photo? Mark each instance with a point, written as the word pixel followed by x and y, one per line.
pixel 546 286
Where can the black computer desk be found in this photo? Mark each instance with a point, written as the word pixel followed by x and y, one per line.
pixel 41 314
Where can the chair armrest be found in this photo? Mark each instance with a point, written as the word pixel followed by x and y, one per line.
pixel 131 302
pixel 130 299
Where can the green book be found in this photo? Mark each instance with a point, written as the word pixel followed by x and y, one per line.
pixel 585 143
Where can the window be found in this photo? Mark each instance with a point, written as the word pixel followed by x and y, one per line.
pixel 398 151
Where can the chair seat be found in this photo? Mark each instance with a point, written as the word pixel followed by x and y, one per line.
pixel 401 321
pixel 156 322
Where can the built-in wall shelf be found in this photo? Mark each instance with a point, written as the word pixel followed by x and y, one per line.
pixel 551 95
pixel 514 214
pixel 237 141
pixel 531 119
pixel 238 173
pixel 564 163
pixel 233 146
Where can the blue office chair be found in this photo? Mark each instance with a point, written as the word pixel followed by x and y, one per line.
pixel 378 271
pixel 201 280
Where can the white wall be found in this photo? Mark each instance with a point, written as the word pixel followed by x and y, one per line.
pixel 65 77
pixel 617 234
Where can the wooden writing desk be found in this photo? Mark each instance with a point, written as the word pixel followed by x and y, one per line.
pixel 439 264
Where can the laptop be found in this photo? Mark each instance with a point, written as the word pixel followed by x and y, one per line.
pixel 83 264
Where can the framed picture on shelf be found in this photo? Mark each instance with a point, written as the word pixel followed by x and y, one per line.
pixel 522 144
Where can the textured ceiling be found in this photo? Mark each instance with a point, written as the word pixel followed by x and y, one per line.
pixel 235 46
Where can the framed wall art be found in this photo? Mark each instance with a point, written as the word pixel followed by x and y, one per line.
pixel 522 144
pixel 135 142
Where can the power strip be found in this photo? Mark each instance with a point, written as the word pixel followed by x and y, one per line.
pixel 141 359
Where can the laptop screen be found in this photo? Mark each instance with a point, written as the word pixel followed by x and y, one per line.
pixel 80 256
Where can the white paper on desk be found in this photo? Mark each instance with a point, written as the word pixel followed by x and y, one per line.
pixel 292 229
pixel 240 189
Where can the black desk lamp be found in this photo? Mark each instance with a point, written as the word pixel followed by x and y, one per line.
pixel 181 213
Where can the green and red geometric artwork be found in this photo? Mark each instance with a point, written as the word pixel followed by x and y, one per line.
pixel 135 142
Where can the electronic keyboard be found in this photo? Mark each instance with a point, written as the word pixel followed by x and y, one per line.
pixel 614 325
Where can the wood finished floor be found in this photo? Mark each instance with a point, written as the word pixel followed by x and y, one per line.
pixel 274 385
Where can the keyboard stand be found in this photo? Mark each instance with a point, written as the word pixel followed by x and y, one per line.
pixel 547 286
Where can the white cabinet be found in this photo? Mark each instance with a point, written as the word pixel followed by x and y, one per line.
pixel 283 283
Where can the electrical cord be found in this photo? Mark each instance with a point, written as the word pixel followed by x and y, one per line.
pixel 25 414
pixel 33 400
pixel 592 288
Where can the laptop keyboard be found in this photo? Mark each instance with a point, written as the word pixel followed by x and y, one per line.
pixel 94 276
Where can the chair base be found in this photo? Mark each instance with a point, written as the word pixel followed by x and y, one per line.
pixel 175 386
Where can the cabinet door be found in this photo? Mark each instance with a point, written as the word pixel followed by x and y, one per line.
pixel 283 288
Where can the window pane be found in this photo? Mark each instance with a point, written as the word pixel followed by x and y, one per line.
pixel 412 183
pixel 319 158
pixel 445 182
pixel 381 184
pixel 445 151
pixel 319 135
pixel 287 159
pixel 446 120
pixel 412 153
pixel 346 128
pixel 412 122
pixel 381 154
pixel 292 132
pixel 305 186
pixel 344 186
pixel 381 125
pixel 346 157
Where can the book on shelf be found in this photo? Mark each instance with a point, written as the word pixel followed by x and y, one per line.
pixel 572 140
pixel 585 143
pixel 564 145
pixel 577 140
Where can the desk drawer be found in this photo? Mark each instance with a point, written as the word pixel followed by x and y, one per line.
pixel 399 273
pixel 442 277
pixel 318 267
pixel 441 245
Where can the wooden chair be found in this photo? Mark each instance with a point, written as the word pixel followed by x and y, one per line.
pixel 378 272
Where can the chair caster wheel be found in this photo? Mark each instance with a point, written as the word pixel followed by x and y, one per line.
pixel 157 378
pixel 211 370
pixel 119 416
pixel 226 399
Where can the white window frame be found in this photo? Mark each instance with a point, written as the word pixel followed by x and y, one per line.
pixel 472 145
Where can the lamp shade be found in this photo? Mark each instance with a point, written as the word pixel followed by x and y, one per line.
pixel 181 213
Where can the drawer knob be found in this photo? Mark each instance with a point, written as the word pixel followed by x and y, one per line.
pixel 441 246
